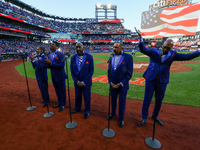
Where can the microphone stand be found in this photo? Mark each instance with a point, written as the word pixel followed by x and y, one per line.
pixel 48 114
pixel 109 133
pixel 151 141
pixel 71 124
pixel 31 107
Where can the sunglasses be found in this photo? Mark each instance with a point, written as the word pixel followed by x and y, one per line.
pixel 115 47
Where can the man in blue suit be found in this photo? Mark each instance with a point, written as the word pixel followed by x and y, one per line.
pixel 82 69
pixel 120 69
pixel 41 74
pixel 164 57
pixel 56 63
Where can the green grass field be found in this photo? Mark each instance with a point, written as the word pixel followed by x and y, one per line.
pixel 183 88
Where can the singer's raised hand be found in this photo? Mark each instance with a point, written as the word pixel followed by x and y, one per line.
pixel 138 32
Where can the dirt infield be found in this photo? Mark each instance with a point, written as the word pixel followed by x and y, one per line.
pixel 29 130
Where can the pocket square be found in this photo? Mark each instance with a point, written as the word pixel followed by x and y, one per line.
pixel 172 55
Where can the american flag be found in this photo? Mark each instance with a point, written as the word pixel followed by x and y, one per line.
pixel 171 21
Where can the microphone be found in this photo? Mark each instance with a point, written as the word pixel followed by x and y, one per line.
pixel 20 53
pixel 37 55
pixel 160 51
pixel 67 54
pixel 65 58
pixel 111 56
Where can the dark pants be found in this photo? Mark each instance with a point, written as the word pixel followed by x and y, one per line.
pixel 43 86
pixel 150 88
pixel 60 89
pixel 86 92
pixel 122 101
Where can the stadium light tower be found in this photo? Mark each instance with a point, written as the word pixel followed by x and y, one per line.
pixel 109 6
pixel 103 11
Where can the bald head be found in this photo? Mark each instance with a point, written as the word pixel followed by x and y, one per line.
pixel 79 49
pixel 167 46
pixel 79 43
pixel 170 42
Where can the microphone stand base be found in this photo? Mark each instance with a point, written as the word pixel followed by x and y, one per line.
pixel 48 114
pixel 31 108
pixel 155 144
pixel 108 133
pixel 71 125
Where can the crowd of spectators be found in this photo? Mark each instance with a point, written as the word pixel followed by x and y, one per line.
pixel 186 43
pixel 14 45
pixel 19 45
pixel 108 46
pixel 64 27
pixel 10 45
pixel 60 26
pixel 17 34
pixel 30 29
pixel 100 31
pixel 106 37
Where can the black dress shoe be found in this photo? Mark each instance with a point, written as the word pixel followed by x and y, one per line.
pixel 157 120
pixel 86 116
pixel 61 108
pixel 42 101
pixel 45 105
pixel 144 122
pixel 75 111
pixel 110 117
pixel 55 106
pixel 121 123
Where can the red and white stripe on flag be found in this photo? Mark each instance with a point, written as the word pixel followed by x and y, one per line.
pixel 172 21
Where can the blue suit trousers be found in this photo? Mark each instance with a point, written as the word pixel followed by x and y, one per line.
pixel 86 92
pixel 43 86
pixel 122 101
pixel 150 88
pixel 60 89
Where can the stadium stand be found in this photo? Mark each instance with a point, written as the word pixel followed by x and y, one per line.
pixel 23 28
pixel 186 43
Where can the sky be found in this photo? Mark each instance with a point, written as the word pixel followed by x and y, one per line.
pixel 129 10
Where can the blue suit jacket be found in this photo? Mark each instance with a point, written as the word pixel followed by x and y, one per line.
pixel 57 66
pixel 40 68
pixel 123 72
pixel 152 70
pixel 86 70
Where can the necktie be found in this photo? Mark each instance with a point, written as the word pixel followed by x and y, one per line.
pixel 80 60
pixel 53 56
pixel 163 58
pixel 117 58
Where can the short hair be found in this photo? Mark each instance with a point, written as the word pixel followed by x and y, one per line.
pixel 121 44
pixel 79 43
pixel 57 44
pixel 42 48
